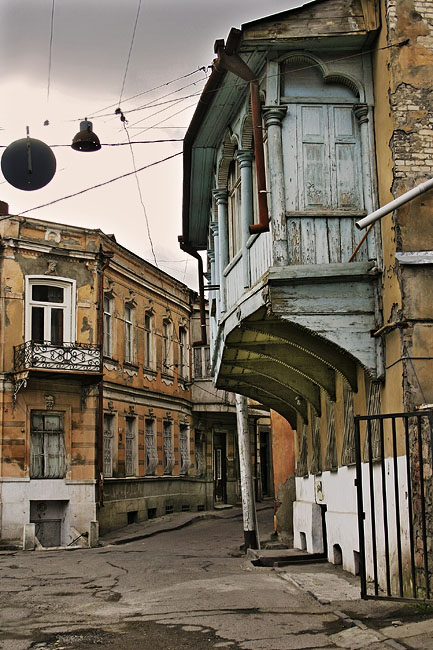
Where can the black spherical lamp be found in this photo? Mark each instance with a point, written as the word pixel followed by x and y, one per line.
pixel 28 164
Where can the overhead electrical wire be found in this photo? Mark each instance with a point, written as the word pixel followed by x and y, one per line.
pixel 50 50
pixel 93 187
pixel 140 194
pixel 94 114
pixel 130 51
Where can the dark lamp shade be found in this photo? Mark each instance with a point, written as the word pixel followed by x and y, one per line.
pixel 28 164
pixel 86 140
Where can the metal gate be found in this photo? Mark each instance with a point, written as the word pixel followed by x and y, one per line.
pixel 395 505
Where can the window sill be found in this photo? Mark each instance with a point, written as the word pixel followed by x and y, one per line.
pixel 131 366
pixel 330 213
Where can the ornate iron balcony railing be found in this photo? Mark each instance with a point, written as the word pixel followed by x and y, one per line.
pixel 79 357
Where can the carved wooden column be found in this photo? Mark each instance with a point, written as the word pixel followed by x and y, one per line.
pixel 361 114
pixel 273 116
pixel 221 199
pixel 245 158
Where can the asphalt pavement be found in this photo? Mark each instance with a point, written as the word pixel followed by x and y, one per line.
pixel 181 582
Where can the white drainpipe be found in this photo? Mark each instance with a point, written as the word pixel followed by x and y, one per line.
pixel 393 205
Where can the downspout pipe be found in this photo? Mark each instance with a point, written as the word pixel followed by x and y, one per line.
pixel 188 248
pixel 232 62
pixel 104 258
pixel 396 203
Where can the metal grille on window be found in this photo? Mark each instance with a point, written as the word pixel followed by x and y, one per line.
pixel 151 452
pixel 184 448
pixel 130 447
pixel 169 460
pixel 108 445
pixel 47 445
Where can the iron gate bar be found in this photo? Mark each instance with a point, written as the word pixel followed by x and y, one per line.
pixel 410 509
pixel 385 508
pixel 372 509
pixel 397 508
pixel 416 456
pixel 424 527
pixel 361 515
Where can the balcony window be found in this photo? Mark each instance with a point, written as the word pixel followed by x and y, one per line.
pixel 321 142
pixel 50 309
pixel 47 445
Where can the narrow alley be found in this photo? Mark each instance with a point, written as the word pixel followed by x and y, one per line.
pixel 189 586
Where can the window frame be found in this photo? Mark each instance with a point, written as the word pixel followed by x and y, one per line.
pixel 129 333
pixel 148 344
pixel 68 306
pixel 108 435
pixel 183 367
pixel 130 445
pixel 45 446
pixel 108 326
pixel 234 216
pixel 167 347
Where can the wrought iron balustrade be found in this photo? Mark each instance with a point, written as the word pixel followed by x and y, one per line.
pixel 78 357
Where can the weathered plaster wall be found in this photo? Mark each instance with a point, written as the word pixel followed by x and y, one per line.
pixel 283 458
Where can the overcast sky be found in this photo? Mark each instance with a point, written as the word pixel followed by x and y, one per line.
pixel 90 45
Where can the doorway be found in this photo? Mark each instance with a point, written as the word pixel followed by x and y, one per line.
pixel 219 467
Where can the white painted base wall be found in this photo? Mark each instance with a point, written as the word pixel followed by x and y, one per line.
pixel 16 496
pixel 337 491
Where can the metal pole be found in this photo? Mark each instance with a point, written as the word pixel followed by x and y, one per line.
pixel 247 491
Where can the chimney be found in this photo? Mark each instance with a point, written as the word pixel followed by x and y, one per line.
pixel 4 209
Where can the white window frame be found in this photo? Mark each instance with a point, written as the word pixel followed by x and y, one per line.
pixel 148 351
pixel 183 353
pixel 167 347
pixel 108 326
pixel 129 334
pixel 68 305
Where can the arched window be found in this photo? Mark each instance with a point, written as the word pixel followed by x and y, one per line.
pixel 321 142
